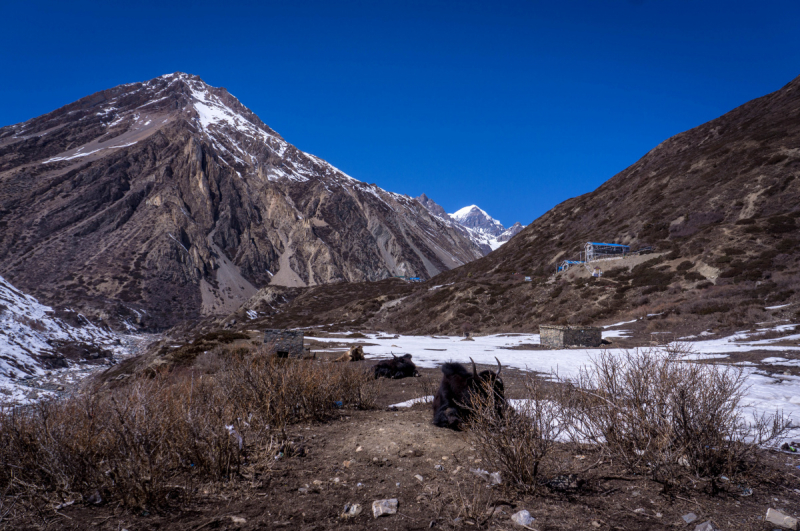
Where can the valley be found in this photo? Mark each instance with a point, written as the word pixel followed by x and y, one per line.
pixel 152 232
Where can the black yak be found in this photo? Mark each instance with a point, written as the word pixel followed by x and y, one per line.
pixel 452 401
pixel 396 368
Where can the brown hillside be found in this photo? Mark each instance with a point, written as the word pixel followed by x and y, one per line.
pixel 720 203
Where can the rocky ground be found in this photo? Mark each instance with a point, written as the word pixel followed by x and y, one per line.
pixel 396 454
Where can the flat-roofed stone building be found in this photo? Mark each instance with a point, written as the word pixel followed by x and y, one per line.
pixel 284 343
pixel 554 336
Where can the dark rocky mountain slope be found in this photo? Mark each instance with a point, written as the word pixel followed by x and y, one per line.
pixel 720 204
pixel 167 200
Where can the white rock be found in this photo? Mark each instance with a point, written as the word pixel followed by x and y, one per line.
pixel 351 510
pixel 783 520
pixel 689 518
pixel 522 518
pixel 493 478
pixel 384 507
pixel 706 526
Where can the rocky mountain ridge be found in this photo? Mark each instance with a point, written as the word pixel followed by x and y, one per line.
pixel 166 200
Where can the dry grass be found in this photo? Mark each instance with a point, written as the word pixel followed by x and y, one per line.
pixel 148 444
pixel 671 419
pixel 649 410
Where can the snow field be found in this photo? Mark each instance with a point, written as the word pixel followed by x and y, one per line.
pixel 765 394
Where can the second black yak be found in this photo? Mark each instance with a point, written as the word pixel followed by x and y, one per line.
pixel 396 368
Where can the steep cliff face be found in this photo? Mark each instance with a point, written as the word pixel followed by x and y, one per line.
pixel 169 199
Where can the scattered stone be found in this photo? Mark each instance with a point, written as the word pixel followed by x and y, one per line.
pixel 689 518
pixel 783 520
pixel 640 510
pixel 706 526
pixel 439 468
pixel 351 510
pixel 95 498
pixel 522 518
pixel 493 478
pixel 419 478
pixel 359 449
pixel 384 507
pixel 303 490
pixel 238 520
pixel 595 523
pixel 347 464
pixel 317 482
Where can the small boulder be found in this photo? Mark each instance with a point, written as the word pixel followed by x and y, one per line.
pixel 492 478
pixel 522 518
pixel 689 518
pixel 384 507
pixel 783 520
pixel 351 510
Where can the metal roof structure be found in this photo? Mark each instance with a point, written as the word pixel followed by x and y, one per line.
pixel 597 250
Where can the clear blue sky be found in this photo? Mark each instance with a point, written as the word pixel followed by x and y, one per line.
pixel 514 106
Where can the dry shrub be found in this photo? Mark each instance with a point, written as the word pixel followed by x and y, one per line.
pixel 467 501
pixel 147 443
pixel 669 418
pixel 520 443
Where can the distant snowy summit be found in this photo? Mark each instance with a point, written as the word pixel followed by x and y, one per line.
pixel 480 227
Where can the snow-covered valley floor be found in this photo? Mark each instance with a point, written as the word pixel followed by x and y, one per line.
pixel 767 391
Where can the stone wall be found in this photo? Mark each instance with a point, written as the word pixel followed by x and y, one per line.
pixel 570 336
pixel 285 343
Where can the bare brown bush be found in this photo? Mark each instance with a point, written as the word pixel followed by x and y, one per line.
pixel 147 443
pixel 670 418
pixel 520 443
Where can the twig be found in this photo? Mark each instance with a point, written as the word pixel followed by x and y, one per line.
pixel 690 501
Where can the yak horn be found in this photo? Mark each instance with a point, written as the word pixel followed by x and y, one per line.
pixel 499 367
pixel 474 368
pixel 395 357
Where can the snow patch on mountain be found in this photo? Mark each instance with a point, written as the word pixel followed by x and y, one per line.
pixel 28 332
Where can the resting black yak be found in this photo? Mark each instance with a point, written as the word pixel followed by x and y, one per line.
pixel 451 404
pixel 396 368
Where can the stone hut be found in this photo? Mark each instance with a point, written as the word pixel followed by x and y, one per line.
pixel 285 343
pixel 570 336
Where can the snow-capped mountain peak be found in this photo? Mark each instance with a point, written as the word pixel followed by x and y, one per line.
pixel 475 218
pixel 479 226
